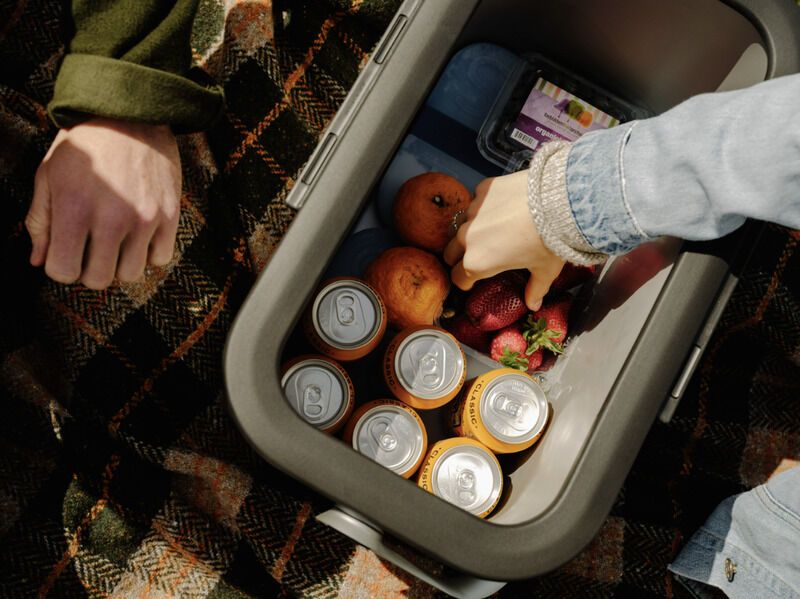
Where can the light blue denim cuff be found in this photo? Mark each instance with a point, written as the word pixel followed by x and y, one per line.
pixel 750 546
pixel 596 189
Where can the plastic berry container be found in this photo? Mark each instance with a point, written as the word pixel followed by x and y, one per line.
pixel 542 101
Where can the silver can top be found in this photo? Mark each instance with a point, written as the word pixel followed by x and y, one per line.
pixel 346 314
pixel 513 408
pixel 317 391
pixel 429 364
pixel 468 477
pixel 391 436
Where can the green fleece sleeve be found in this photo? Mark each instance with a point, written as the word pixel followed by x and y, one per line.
pixel 130 59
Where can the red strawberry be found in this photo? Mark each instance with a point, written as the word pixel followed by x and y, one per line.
pixel 497 302
pixel 573 275
pixel 508 340
pixel 467 333
pixel 535 360
pixel 547 327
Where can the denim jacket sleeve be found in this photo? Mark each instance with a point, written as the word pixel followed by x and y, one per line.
pixel 750 546
pixel 695 172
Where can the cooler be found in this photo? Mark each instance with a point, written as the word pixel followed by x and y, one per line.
pixel 645 323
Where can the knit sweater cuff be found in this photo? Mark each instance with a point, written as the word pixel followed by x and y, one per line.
pixel 89 85
pixel 549 205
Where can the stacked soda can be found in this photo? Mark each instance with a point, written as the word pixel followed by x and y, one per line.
pixel 425 367
pixel 499 412
pixel 504 409
pixel 346 321
pixel 390 433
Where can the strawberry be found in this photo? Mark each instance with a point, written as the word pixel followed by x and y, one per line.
pixel 508 340
pixel 497 302
pixel 511 349
pixel 467 333
pixel 535 360
pixel 573 275
pixel 547 327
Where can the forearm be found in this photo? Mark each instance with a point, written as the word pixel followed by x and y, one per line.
pixel 700 169
pixel 129 59
pixel 695 172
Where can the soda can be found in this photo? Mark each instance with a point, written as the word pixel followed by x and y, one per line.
pixel 463 472
pixel 424 367
pixel 390 433
pixel 504 409
pixel 346 320
pixel 319 390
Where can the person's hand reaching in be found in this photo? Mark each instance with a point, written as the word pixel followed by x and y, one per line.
pixel 106 202
pixel 498 235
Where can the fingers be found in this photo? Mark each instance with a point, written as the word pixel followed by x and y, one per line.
pixel 133 257
pixel 162 245
pixel 461 278
pixel 538 286
pixel 101 259
pixel 38 219
pixel 453 251
pixel 69 230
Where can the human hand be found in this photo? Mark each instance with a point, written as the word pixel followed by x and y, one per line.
pixel 498 235
pixel 106 202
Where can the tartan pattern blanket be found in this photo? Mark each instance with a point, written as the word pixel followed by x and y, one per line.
pixel 120 472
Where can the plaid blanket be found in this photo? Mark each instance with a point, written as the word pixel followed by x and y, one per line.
pixel 120 472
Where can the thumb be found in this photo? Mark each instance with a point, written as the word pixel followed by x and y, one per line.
pixel 537 287
pixel 38 220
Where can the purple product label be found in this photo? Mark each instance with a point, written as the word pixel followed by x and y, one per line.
pixel 553 113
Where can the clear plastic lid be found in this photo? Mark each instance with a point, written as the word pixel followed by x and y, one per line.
pixel 542 101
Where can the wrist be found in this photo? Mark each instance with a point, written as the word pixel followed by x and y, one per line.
pixel 548 202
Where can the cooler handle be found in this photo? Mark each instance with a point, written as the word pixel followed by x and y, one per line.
pixel 460 586
pixel 778 22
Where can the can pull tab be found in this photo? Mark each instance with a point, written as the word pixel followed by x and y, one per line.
pixel 509 409
pixel 431 367
pixel 465 487
pixel 382 433
pixel 313 394
pixel 312 401
pixel 346 309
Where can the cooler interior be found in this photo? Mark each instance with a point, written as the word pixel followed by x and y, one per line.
pixel 651 53
pixel 616 306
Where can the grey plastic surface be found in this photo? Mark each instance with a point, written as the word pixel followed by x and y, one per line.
pixel 455 585
pixel 555 506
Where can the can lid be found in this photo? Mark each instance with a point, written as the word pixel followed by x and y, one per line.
pixel 346 314
pixel 513 408
pixel 429 364
pixel 317 391
pixel 469 477
pixel 391 436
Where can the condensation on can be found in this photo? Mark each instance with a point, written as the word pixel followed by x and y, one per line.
pixel 464 473
pixel 346 320
pixel 390 433
pixel 424 367
pixel 504 409
pixel 319 390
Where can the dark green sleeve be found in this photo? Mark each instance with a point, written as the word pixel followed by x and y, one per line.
pixel 130 59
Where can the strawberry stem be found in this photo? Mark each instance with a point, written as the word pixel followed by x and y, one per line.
pixel 536 333
pixel 512 359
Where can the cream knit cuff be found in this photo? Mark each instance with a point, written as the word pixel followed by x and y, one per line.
pixel 549 205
